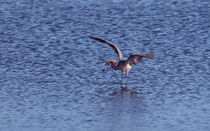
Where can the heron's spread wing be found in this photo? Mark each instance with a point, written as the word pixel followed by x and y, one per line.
pixel 117 50
pixel 136 58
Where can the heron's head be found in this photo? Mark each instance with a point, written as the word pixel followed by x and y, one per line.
pixel 107 64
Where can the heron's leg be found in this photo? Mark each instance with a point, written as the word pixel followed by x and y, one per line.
pixel 126 78
pixel 126 82
pixel 122 78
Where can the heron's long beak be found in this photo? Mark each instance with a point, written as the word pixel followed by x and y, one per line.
pixel 106 65
pixel 105 68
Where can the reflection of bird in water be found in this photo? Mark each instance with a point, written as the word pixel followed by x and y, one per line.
pixel 123 65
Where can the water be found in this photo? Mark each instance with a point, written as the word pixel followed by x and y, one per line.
pixel 51 72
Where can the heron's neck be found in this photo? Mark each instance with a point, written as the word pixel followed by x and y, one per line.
pixel 113 64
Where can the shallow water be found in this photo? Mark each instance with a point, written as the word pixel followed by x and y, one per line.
pixel 51 72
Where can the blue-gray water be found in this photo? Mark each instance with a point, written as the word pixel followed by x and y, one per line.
pixel 51 73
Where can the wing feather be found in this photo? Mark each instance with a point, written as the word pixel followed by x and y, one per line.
pixel 117 50
pixel 136 58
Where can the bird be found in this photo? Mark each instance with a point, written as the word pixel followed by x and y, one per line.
pixel 123 64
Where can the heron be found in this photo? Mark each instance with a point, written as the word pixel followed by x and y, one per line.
pixel 123 64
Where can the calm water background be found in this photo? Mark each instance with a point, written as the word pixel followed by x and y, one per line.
pixel 50 71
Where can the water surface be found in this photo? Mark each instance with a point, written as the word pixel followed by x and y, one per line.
pixel 51 72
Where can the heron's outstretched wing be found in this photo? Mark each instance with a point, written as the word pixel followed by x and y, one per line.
pixel 117 50
pixel 136 58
